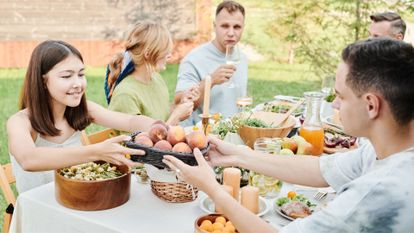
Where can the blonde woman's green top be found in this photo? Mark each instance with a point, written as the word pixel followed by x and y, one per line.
pixel 138 98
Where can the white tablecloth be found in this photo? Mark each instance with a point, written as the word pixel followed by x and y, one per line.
pixel 38 211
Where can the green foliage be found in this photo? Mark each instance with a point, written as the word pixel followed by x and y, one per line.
pixel 317 30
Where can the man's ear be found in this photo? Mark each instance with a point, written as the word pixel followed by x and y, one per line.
pixel 373 105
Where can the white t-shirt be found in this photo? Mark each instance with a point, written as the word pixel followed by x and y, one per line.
pixel 372 195
pixel 199 63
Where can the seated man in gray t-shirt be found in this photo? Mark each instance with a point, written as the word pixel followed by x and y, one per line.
pixel 209 59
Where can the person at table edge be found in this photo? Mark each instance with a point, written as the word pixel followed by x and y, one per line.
pixel 45 134
pixel 209 59
pixel 374 192
pixel 387 24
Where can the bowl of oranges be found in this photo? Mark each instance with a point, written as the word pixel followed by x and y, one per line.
pixel 216 223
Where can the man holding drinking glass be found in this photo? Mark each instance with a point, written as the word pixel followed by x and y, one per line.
pixel 210 59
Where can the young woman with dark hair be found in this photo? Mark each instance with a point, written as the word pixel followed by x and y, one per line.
pixel 46 133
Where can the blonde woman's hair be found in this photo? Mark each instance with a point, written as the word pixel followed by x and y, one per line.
pixel 146 43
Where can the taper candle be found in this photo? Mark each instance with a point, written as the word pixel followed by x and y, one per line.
pixel 207 88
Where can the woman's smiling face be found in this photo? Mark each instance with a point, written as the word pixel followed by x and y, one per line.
pixel 66 82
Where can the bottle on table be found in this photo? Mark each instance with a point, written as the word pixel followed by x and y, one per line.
pixel 312 130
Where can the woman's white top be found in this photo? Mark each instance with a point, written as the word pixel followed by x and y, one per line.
pixel 27 180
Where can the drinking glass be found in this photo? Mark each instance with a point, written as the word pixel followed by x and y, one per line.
pixel 328 83
pixel 244 102
pixel 232 58
pixel 269 187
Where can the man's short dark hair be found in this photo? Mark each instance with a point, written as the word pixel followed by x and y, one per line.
pixel 230 6
pixel 384 66
pixel 397 23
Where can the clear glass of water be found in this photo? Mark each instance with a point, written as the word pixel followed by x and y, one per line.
pixel 328 84
pixel 269 187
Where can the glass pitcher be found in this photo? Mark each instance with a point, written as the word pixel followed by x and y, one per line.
pixel 269 187
pixel 312 130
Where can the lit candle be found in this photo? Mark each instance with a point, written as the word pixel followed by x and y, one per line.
pixel 207 87
pixel 250 198
pixel 231 177
pixel 228 190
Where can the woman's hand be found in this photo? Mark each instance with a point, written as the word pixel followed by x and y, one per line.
pixel 201 176
pixel 191 95
pixel 112 152
pixel 180 112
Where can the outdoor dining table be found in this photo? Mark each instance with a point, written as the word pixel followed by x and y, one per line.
pixel 38 211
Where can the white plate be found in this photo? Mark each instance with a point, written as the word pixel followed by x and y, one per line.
pixel 278 210
pixel 308 193
pixel 207 205
pixel 297 113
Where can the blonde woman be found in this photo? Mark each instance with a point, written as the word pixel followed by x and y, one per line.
pixel 133 84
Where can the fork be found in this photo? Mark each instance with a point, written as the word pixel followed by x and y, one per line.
pixel 320 195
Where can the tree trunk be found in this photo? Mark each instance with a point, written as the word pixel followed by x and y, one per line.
pixel 291 54
pixel 358 19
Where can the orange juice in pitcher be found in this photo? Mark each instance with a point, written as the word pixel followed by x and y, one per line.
pixel 312 129
pixel 315 136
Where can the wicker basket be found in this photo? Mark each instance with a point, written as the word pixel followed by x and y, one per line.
pixel 174 192
pixel 155 156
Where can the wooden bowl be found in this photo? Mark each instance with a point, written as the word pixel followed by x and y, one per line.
pixel 93 195
pixel 250 134
pixel 211 217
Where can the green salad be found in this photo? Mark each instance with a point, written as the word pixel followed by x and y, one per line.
pixel 296 197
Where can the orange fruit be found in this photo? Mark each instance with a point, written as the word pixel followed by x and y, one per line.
pixel 291 194
pixel 221 220
pixel 207 225
pixel 218 226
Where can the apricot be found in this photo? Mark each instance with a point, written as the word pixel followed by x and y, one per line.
pixel 218 226
pixel 163 145
pixel 157 132
pixel 176 134
pixel 182 147
pixel 290 143
pixel 196 139
pixel 304 148
pixel 221 219
pixel 144 140
pixel 159 122
pixel 207 225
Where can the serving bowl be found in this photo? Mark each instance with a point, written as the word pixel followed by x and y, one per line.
pixel 93 195
pixel 249 134
pixel 198 228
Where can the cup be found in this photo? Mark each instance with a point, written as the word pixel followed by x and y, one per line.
pixel 269 187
